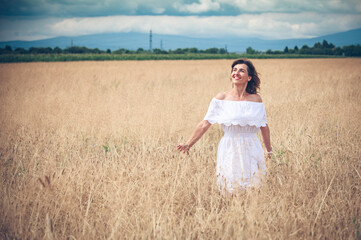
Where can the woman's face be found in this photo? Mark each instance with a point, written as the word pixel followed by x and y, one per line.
pixel 240 75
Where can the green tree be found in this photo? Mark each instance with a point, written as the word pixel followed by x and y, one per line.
pixel 140 50
pixel 20 51
pixel 353 50
pixel 159 51
pixel 317 45
pixel 178 51
pixel 57 50
pixel 222 51
pixel 8 48
pixel 193 50
pixel 211 50
pixel 40 50
pixel 96 50
pixel 250 50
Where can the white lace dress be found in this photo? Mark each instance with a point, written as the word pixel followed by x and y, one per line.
pixel 240 157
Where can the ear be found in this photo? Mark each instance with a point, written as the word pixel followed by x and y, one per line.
pixel 249 79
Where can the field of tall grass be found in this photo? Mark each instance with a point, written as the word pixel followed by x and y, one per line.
pixel 88 151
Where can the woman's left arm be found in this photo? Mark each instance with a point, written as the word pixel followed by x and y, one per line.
pixel 267 139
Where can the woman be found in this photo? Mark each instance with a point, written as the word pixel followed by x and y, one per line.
pixel 241 114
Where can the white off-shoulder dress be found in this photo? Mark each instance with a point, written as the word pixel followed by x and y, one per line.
pixel 240 157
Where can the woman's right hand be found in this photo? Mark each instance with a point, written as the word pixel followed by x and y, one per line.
pixel 183 148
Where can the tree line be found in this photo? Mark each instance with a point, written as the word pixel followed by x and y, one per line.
pixel 80 50
pixel 318 48
pixel 48 50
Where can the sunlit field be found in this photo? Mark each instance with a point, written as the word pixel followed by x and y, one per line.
pixel 87 151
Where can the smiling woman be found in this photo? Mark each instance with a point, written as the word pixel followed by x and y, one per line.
pixel 241 114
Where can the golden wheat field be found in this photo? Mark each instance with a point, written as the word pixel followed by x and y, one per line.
pixel 88 151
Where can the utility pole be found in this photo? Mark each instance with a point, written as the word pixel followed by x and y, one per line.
pixel 150 41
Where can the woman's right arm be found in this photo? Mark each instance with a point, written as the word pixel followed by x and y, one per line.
pixel 198 132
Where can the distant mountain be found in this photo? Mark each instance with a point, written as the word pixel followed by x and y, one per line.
pixel 133 41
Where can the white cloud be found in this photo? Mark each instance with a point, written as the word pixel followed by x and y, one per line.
pixel 266 25
pixel 294 6
pixel 158 10
pixel 202 6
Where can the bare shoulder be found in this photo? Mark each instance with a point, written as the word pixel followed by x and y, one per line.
pixel 220 96
pixel 255 98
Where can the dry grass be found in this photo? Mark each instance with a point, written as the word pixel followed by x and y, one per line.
pixel 87 151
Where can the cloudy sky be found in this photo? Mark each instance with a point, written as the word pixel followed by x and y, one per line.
pixel 266 19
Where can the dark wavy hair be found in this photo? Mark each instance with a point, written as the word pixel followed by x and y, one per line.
pixel 253 85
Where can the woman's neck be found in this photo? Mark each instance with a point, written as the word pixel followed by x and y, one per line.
pixel 239 91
